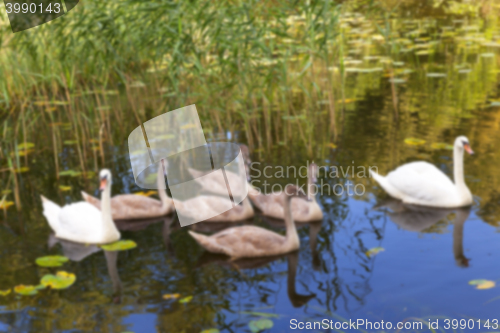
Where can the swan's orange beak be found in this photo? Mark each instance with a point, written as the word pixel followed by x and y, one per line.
pixel 468 149
pixel 103 184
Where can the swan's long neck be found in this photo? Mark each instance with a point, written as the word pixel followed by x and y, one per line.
pixel 247 206
pixel 160 182
pixel 292 238
pixel 107 220
pixel 458 166
pixel 458 169
pixel 311 193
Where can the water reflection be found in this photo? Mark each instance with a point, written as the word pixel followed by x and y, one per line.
pixel 419 218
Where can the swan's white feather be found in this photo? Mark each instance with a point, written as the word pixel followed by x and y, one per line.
pixel 81 222
pixel 420 183
pixel 51 212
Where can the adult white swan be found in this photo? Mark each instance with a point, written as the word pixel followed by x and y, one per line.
pixel 421 183
pixel 82 222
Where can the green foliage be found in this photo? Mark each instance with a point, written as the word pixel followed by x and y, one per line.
pixel 260 325
pixel 51 261
pixel 120 245
pixel 61 280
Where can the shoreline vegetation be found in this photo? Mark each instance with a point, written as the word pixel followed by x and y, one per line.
pixel 274 73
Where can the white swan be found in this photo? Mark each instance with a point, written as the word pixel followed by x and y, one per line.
pixel 82 222
pixel 421 183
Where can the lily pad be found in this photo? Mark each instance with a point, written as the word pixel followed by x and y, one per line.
pixel 186 299
pixel 71 173
pixel 6 204
pixel 211 330
pixel 22 169
pixel 70 142
pixel 5 292
pixel 331 145
pixel 482 284
pixel 27 290
pixel 374 251
pixel 51 261
pixel 414 141
pixel 171 296
pixel 441 145
pixel 120 245
pixel 260 325
pixel 61 280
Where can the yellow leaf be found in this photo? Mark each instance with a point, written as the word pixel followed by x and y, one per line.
pixel 4 292
pixel 414 141
pixel 486 285
pixel 374 251
pixel 171 296
pixel 64 188
pixel 146 194
pixel 5 204
pixel 331 145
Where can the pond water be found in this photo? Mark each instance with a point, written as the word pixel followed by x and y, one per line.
pixel 422 274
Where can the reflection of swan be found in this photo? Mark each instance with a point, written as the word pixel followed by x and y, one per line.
pixel 73 251
pixel 314 229
pixel 418 218
pixel 421 183
pixel 112 264
pixel 296 299
pixel 134 206
pixel 78 251
pixel 458 237
pixel 81 222
pixel 302 211
pixel 252 241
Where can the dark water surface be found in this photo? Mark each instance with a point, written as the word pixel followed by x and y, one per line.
pixel 429 258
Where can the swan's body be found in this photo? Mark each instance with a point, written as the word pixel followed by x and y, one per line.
pixel 133 206
pixel 302 211
pixel 218 186
pixel 208 205
pixel 81 222
pixel 251 241
pixel 421 183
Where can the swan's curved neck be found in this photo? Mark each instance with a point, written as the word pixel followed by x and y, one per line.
pixel 292 238
pixel 311 193
pixel 160 185
pixel 247 206
pixel 107 220
pixel 458 166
